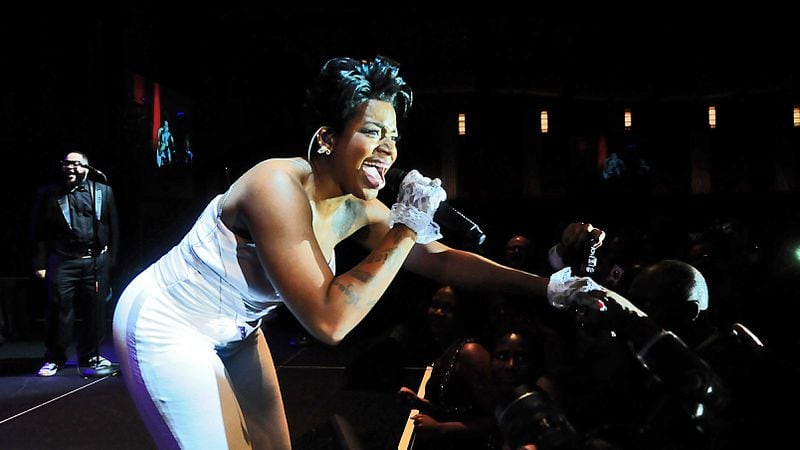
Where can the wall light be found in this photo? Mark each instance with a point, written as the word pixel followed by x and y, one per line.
pixel 544 125
pixel 712 117
pixel 628 119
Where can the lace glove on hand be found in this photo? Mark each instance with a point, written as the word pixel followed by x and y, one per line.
pixel 417 200
pixel 565 290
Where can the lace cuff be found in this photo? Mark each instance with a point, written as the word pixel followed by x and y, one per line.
pixel 565 290
pixel 422 223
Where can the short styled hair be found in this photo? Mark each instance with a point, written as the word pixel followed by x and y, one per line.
pixel 345 83
pixel 663 287
pixel 84 158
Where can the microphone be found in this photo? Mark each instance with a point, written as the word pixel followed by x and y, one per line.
pixel 446 216
pixel 98 172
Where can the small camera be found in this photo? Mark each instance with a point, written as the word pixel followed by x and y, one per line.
pixel 531 417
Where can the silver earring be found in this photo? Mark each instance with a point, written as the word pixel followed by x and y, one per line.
pixel 322 150
pixel 311 144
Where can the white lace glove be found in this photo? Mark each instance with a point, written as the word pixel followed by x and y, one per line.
pixel 565 290
pixel 417 200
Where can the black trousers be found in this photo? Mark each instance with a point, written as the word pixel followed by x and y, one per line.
pixel 72 293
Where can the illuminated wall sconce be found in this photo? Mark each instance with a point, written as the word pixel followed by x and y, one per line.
pixel 462 124
pixel 712 117
pixel 796 116
pixel 628 119
pixel 544 124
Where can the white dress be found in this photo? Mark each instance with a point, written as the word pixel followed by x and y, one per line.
pixel 193 356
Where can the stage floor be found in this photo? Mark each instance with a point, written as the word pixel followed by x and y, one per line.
pixel 326 390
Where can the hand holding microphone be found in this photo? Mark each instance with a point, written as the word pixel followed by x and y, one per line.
pixel 450 219
pixel 417 201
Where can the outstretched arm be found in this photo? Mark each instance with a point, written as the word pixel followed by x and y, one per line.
pixel 466 270
pixel 470 271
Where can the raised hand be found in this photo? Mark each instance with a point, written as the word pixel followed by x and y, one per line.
pixel 417 201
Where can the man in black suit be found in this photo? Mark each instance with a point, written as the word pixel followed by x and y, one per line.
pixel 75 233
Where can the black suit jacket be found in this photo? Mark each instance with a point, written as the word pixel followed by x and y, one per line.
pixel 51 227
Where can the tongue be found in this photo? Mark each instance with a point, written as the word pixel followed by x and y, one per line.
pixel 374 177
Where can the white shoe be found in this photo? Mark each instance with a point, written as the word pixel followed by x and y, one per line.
pixel 98 362
pixel 48 369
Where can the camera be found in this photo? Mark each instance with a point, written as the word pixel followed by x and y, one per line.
pixel 529 416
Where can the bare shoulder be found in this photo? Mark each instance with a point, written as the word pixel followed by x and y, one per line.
pixel 271 185
pixel 283 169
pixel 271 177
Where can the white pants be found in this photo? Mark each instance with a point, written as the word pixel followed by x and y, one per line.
pixel 194 389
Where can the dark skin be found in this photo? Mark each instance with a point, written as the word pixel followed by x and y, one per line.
pixel 325 202
pixel 310 207
pixel 74 171
pixel 472 366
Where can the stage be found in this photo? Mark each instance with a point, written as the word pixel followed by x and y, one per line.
pixel 335 397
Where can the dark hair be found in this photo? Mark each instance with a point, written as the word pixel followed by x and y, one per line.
pixel 517 325
pixel 345 83
pixel 664 285
pixel 84 156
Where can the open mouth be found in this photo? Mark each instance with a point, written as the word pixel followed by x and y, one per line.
pixel 375 173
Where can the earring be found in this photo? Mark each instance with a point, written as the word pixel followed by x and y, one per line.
pixel 321 150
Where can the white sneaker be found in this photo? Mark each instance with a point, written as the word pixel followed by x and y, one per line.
pixel 48 369
pixel 98 362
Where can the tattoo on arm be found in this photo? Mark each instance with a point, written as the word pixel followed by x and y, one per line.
pixel 347 290
pixel 388 256
pixel 380 257
pixel 361 275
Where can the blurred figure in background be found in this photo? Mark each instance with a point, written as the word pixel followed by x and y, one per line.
pixel 75 231
pixel 456 412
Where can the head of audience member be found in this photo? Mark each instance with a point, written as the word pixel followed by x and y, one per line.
pixel 525 410
pixel 445 315
pixel 74 166
pixel 516 358
pixel 518 252
pixel 671 292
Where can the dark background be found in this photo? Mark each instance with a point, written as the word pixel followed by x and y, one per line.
pixel 240 73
